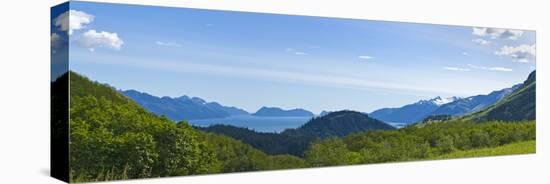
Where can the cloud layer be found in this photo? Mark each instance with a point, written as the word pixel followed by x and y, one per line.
pixel 495 33
pixel 520 53
pixel 73 20
pixel 365 57
pixel 167 44
pixel 92 39
pixel 456 69
pixel 500 69
pixel 340 80
pixel 481 41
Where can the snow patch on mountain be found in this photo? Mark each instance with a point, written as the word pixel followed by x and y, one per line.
pixel 440 101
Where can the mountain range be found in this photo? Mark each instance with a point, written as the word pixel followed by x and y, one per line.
pixel 192 108
pixel 474 103
pixel 412 112
pixel 182 108
pixel 453 106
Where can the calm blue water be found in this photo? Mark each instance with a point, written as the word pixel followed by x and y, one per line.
pixel 397 125
pixel 260 124
pixel 257 123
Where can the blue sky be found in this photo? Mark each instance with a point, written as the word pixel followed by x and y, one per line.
pixel 251 60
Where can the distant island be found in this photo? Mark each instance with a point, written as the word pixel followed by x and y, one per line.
pixel 278 112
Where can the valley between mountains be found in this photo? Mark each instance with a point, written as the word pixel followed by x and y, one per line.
pixel 130 134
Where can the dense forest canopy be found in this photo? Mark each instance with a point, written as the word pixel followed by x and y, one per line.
pixel 114 138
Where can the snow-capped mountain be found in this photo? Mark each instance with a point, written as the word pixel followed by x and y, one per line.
pixel 438 100
pixel 453 106
pixel 412 112
pixel 473 103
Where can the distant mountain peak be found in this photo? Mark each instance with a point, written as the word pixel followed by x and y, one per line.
pixel 341 123
pixel 131 91
pixel 198 100
pixel 323 113
pixel 473 103
pixel 266 107
pixel 183 98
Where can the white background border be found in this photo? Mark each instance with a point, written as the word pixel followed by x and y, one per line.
pixel 24 96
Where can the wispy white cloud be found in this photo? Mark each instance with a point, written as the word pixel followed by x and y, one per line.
pixel 336 80
pixel 168 44
pixel 481 41
pixel 92 39
pixel 73 20
pixel 465 53
pixel 295 51
pixel 456 69
pixel 495 33
pixel 520 53
pixel 500 69
pixel 365 57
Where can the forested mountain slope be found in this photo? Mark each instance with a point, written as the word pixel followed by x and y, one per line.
pixel 112 138
pixel 520 105
pixel 295 141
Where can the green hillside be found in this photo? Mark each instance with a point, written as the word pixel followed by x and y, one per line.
pixel 271 143
pixel 112 137
pixel 296 141
pixel 235 156
pixel 520 105
pixel 524 147
pixel 340 123
pixel 418 143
